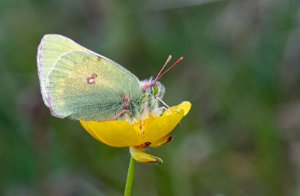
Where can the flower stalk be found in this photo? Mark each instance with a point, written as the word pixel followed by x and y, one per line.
pixel 130 177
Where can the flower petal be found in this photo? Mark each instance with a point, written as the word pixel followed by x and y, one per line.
pixel 113 133
pixel 151 130
pixel 143 157
pixel 158 127
pixel 185 106
pixel 162 141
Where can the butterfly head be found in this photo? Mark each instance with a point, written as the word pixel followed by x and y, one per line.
pixel 155 89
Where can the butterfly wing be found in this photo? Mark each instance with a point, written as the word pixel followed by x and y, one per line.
pixel 85 86
pixel 52 46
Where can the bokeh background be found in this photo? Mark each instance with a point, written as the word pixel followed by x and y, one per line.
pixel 241 72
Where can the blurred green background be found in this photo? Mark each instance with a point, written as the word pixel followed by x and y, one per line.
pixel 241 72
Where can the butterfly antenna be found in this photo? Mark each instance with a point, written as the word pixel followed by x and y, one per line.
pixel 163 67
pixel 161 75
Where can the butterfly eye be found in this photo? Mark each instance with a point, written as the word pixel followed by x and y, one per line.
pixel 154 90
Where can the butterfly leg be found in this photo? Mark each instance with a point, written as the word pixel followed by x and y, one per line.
pixel 164 103
pixel 116 116
pixel 119 114
pixel 166 106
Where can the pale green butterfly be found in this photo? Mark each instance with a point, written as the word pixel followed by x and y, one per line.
pixel 83 85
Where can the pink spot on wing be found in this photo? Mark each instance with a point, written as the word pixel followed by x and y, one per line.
pixel 126 101
pixel 92 79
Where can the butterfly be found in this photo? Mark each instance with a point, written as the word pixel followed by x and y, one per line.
pixel 80 84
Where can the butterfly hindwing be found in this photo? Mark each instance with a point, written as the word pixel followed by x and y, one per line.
pixel 83 85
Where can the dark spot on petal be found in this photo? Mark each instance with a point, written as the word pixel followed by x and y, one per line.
pixel 147 144
pixel 169 138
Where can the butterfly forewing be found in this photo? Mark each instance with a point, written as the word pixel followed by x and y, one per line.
pixel 52 46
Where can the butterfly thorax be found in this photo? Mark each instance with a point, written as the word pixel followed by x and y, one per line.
pixel 146 104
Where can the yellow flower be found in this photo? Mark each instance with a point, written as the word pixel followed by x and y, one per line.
pixel 153 131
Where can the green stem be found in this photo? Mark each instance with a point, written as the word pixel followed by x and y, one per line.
pixel 130 177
